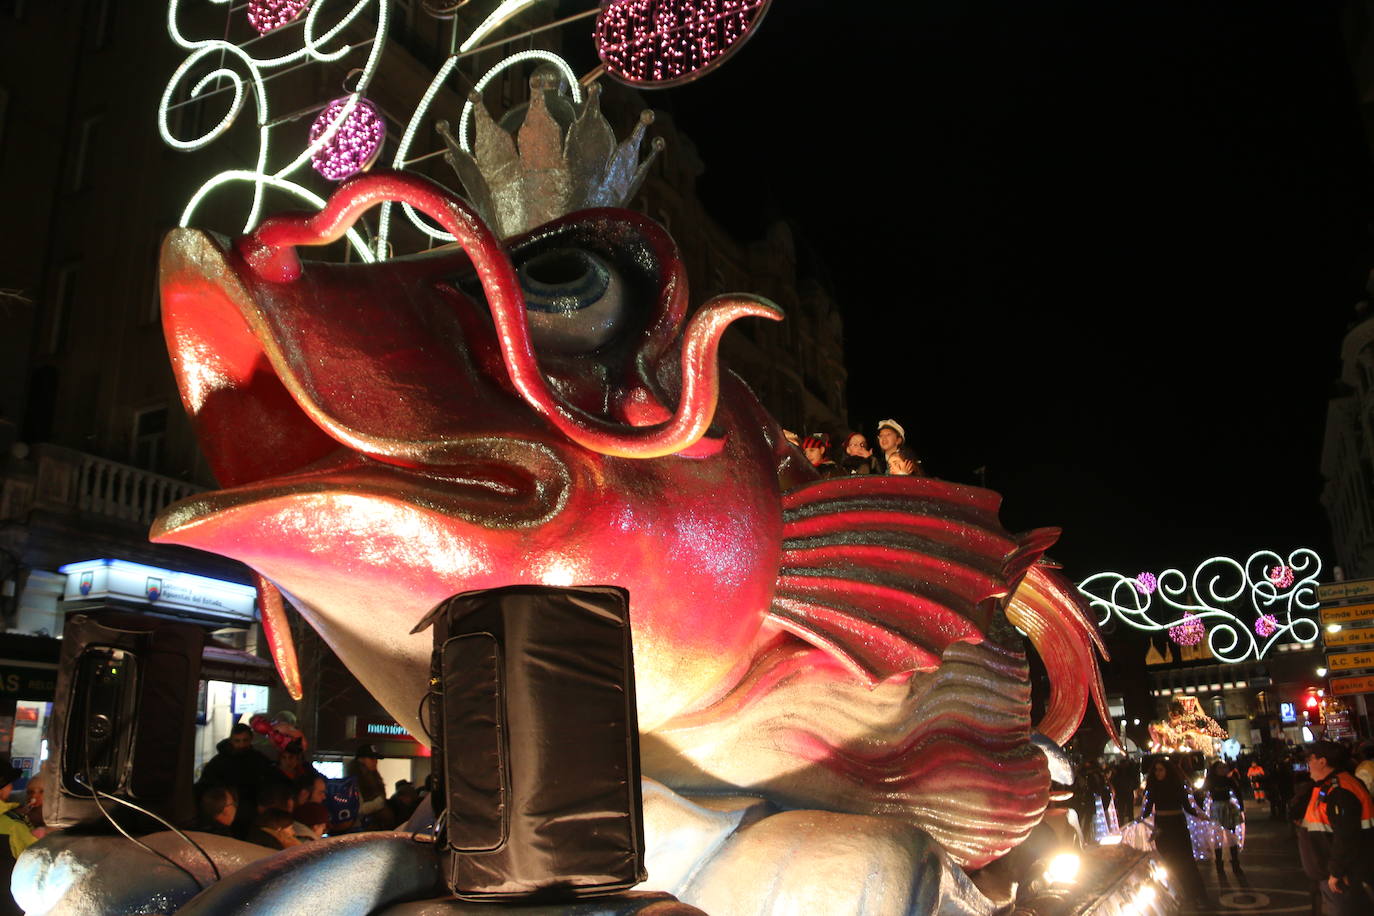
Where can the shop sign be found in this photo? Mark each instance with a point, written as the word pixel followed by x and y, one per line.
pixel 162 588
pixel 25 683
pixel 1350 636
pixel 1337 725
pixel 377 729
pixel 1345 686
pixel 1339 591
pixel 1348 612
pixel 1349 661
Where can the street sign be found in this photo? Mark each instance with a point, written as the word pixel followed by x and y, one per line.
pixel 1349 661
pixel 1345 686
pixel 1348 612
pixel 1350 636
pixel 1337 591
pixel 1329 592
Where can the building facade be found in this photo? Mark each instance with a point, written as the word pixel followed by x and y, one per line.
pixel 1348 452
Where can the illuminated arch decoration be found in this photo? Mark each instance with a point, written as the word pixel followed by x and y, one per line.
pixel 1245 608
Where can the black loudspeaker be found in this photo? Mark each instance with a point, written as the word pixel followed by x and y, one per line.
pixel 537 743
pixel 123 720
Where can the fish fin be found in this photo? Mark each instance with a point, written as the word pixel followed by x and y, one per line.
pixel 1046 608
pixel 277 629
pixel 884 573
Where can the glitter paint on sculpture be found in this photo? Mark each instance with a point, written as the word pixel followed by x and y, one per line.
pixel 391 434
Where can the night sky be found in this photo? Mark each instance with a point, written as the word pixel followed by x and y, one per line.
pixel 1107 251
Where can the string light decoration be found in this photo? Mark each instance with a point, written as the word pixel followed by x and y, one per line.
pixel 1147 583
pixel 676 39
pixel 239 70
pixel 1226 596
pixel 266 15
pixel 1266 624
pixel 358 130
pixel 1188 632
pixel 654 44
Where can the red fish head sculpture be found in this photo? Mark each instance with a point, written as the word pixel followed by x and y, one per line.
pixel 545 412
pixel 390 434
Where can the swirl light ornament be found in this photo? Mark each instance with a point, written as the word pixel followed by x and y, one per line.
pixel 1230 599
pixel 241 73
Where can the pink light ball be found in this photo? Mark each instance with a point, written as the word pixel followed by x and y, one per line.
pixel 354 146
pixel 1266 625
pixel 1281 576
pixel 1188 632
pixel 654 44
pixel 266 15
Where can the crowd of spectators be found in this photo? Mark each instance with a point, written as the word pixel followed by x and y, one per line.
pixel 244 793
pixel 853 454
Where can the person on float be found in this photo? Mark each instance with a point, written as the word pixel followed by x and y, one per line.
pixel 856 457
pixel 814 446
pixel 1168 798
pixel 891 436
pixel 1336 841
pixel 1227 811
pixel 904 463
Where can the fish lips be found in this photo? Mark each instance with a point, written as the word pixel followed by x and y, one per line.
pixel 397 360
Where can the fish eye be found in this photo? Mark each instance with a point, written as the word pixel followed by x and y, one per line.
pixel 574 300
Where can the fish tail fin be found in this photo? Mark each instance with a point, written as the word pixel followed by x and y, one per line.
pixel 1046 608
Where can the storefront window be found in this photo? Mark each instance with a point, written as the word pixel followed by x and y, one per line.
pixel 29 744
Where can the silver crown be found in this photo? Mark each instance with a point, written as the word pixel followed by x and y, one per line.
pixel 567 160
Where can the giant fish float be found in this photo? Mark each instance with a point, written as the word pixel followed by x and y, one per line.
pixel 833 694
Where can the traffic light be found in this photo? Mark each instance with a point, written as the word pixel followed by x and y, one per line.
pixel 1312 710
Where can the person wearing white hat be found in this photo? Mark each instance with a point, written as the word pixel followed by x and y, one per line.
pixel 899 459
pixel 891 435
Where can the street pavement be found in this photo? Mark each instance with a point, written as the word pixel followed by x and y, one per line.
pixel 1272 882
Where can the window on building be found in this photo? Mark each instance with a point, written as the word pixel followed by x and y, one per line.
pixel 63 305
pixel 150 437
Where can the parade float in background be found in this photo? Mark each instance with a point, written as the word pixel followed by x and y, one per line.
pixel 1188 729
pixel 832 688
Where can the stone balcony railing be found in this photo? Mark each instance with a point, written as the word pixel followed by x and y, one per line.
pixel 62 478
